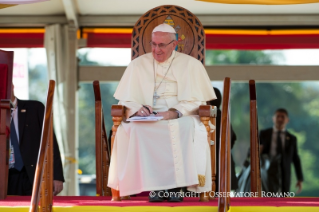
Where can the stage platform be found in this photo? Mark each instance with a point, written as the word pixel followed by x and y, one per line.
pixel 140 204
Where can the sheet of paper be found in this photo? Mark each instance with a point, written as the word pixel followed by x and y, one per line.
pixel 146 118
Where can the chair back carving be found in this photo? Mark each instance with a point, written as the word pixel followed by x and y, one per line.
pixel 255 183
pixel 102 147
pixel 225 150
pixel 6 70
pixel 43 180
pixel 190 32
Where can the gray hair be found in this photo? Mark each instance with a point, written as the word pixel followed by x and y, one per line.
pixel 172 36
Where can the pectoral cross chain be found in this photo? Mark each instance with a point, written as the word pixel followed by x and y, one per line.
pixel 155 97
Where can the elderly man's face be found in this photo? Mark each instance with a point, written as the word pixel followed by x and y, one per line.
pixel 280 120
pixel 162 54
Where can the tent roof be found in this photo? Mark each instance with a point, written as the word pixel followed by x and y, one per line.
pixel 139 7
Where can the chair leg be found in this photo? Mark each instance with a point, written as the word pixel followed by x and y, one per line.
pixel 126 198
pixel 115 195
pixel 204 197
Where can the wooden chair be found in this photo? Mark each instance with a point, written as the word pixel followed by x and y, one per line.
pixel 255 183
pixel 6 70
pixel 191 37
pixel 102 150
pixel 43 181
pixel 225 150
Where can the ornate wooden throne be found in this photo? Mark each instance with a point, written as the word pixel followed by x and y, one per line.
pixel 191 41
pixel 190 32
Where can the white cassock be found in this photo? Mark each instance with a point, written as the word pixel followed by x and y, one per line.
pixel 166 154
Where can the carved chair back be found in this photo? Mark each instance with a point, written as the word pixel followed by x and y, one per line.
pixel 189 31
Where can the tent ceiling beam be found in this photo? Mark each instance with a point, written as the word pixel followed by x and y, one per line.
pixel 70 12
pixel 268 73
pixel 129 20
pixel 31 21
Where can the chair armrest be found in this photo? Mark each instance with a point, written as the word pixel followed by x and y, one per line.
pixel 118 110
pixel 207 111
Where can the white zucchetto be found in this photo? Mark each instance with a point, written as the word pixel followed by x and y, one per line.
pixel 164 28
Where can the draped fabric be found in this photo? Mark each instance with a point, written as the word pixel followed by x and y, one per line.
pixel 55 54
pixel 58 53
pixel 264 2
pixel 20 1
pixel 11 3
pixel 6 5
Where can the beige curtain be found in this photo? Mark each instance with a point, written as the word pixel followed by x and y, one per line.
pixel 6 5
pixel 11 3
pixel 60 53
pixel 264 2
pixel 20 1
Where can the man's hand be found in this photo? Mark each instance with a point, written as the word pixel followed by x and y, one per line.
pixel 167 115
pixel 145 110
pixel 57 187
pixel 299 186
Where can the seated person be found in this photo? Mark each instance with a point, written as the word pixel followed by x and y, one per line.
pixel 171 153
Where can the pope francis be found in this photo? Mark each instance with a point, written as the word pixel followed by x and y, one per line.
pixel 173 152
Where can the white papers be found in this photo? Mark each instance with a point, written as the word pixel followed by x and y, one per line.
pixel 145 118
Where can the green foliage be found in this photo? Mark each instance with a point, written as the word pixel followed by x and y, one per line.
pixel 226 57
pixel 311 184
pixel 300 99
pixel 86 104
pixel 38 83
pixel 86 124
pixel 303 120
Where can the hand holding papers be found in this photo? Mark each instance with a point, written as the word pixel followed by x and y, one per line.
pixel 145 118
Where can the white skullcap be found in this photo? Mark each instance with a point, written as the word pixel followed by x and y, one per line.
pixel 164 28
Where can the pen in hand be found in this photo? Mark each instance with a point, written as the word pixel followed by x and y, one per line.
pixel 149 110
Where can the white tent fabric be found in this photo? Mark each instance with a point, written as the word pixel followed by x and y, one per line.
pixel 20 1
pixel 57 47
